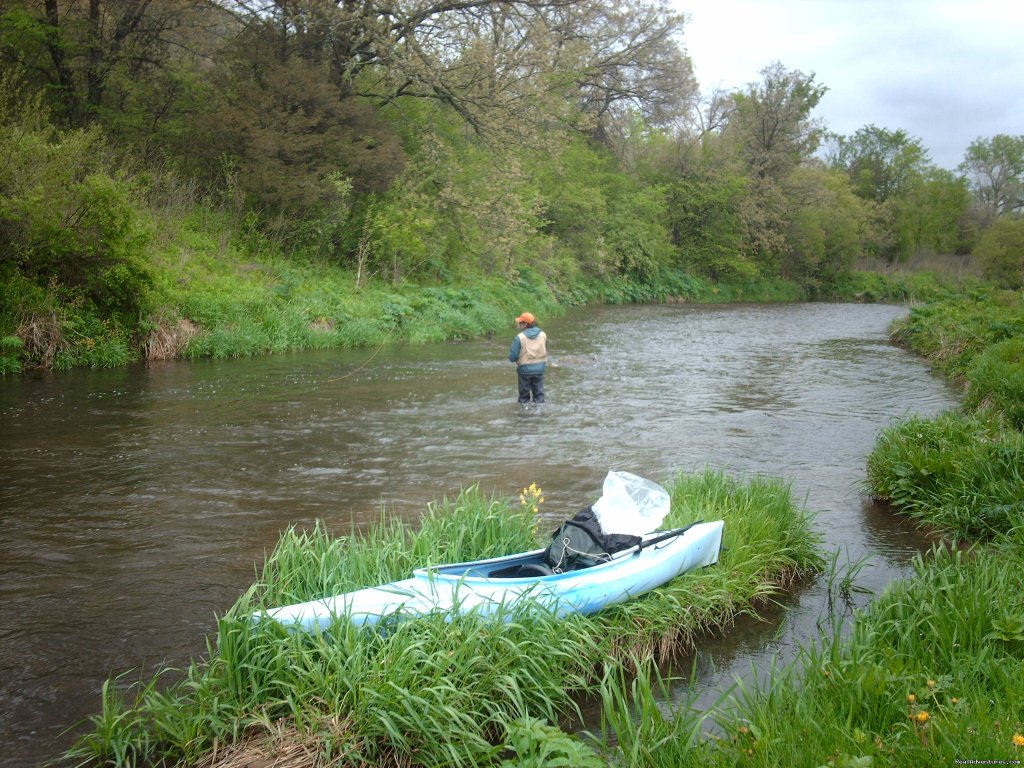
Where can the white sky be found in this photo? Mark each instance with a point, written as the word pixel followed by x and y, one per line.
pixel 945 71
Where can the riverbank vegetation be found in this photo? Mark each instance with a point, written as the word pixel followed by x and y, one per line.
pixel 219 179
pixel 441 691
pixel 962 472
pixel 927 675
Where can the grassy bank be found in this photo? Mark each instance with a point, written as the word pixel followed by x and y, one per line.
pixel 962 472
pixel 436 692
pixel 929 675
pixel 214 300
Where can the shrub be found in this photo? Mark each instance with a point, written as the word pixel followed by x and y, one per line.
pixel 64 220
pixel 1001 251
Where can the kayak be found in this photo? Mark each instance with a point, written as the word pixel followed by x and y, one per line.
pixel 502 585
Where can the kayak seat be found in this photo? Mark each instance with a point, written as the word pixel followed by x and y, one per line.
pixel 533 569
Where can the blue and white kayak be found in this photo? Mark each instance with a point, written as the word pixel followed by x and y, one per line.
pixel 495 586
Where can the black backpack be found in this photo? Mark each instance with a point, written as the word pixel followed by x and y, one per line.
pixel 580 543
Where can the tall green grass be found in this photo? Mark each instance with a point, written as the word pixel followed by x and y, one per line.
pixel 960 474
pixel 241 306
pixel 440 691
pixel 995 380
pixel 951 331
pixel 929 675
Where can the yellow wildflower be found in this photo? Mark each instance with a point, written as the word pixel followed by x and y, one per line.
pixel 911 698
pixel 931 683
pixel 922 717
pixel 1018 740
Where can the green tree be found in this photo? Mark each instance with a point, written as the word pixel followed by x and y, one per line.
pixel 772 123
pixel 66 223
pixel 881 164
pixel 129 64
pixel 768 133
pixel 706 217
pixel 286 129
pixel 1001 252
pixel 995 169
pixel 623 60
pixel 932 212
pixel 827 227
pixel 916 205
pixel 494 62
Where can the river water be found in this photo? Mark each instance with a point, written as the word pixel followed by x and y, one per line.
pixel 138 503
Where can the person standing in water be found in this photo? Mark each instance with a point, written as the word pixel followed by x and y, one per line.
pixel 529 352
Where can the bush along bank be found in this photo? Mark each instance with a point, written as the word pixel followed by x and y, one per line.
pixel 460 691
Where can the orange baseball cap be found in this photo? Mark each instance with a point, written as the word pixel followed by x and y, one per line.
pixel 526 317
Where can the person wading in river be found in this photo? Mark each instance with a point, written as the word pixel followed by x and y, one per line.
pixel 530 354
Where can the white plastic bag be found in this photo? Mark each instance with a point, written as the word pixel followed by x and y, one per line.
pixel 630 504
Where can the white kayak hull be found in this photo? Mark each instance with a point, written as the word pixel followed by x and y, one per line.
pixel 474 587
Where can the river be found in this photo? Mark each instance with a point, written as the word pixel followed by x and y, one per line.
pixel 138 503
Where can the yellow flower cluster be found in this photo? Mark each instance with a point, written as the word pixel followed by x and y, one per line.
pixel 531 498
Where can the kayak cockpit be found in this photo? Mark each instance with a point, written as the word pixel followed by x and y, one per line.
pixel 525 565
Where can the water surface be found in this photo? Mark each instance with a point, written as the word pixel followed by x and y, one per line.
pixel 138 503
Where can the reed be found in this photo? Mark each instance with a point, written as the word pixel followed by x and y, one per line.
pixel 439 691
pixel 641 725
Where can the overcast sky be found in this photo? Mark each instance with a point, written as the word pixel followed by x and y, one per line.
pixel 945 71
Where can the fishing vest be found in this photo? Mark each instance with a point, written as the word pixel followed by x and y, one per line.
pixel 532 350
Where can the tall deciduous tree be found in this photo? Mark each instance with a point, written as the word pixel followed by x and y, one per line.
pixel 625 58
pixel 918 207
pixel 995 169
pixel 105 59
pixel 768 133
pixel 490 60
pixel 881 164
pixel 285 128
pixel 772 121
pixel 827 226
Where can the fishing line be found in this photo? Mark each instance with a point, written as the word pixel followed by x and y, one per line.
pixel 365 363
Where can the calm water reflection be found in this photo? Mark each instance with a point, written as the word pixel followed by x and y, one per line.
pixel 137 503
